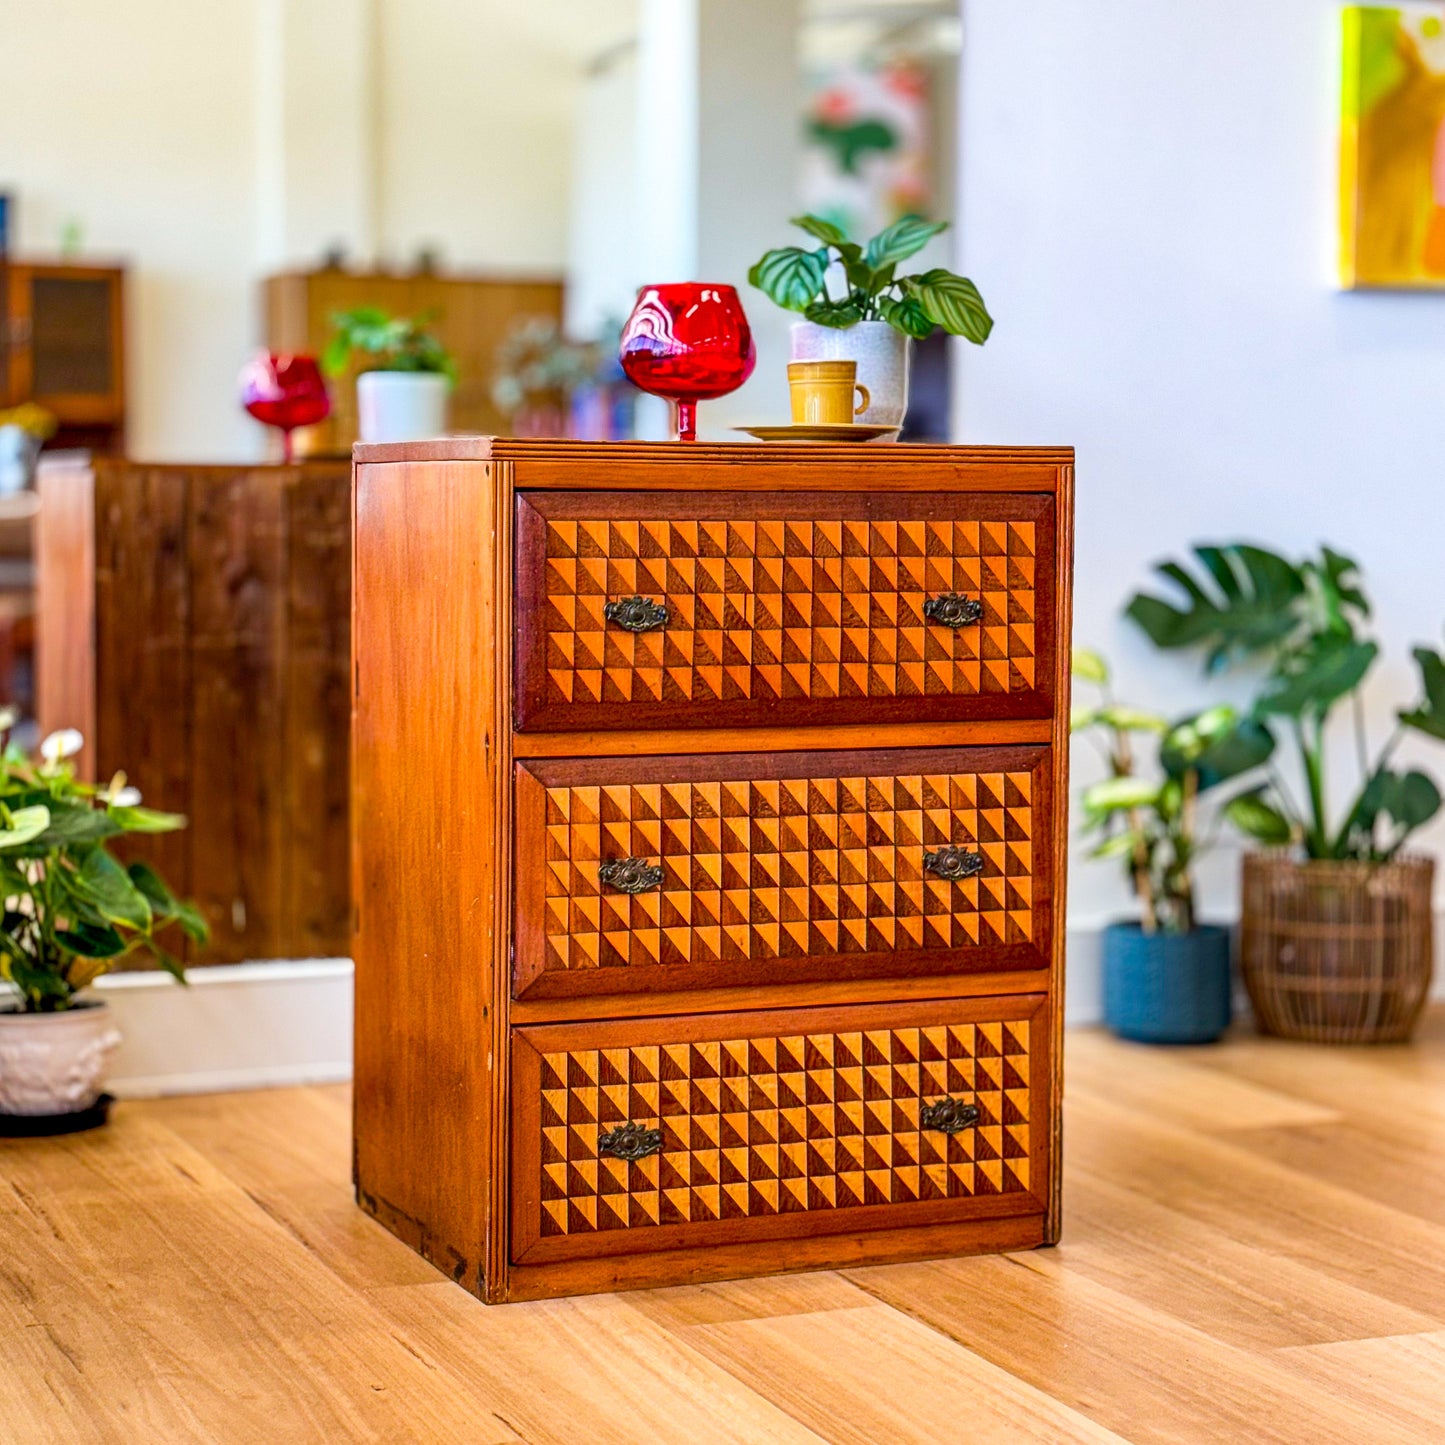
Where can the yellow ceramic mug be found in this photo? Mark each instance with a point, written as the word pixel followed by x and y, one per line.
pixel 822 392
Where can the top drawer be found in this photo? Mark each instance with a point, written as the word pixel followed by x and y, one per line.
pixel 752 609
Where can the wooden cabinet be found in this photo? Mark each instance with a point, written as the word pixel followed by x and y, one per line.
pixel 708 830
pixel 64 335
pixel 194 624
pixel 473 315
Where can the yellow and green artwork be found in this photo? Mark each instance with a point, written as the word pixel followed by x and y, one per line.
pixel 1392 146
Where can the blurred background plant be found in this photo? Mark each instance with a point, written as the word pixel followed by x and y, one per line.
pixel 1146 813
pixel 1303 622
pixel 549 384
pixel 382 342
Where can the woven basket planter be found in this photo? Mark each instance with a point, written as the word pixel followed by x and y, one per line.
pixel 1337 953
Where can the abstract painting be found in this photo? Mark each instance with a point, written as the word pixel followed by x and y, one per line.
pixel 1392 146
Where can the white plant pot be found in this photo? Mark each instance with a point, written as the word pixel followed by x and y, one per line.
pixel 401 406
pixel 55 1063
pixel 882 355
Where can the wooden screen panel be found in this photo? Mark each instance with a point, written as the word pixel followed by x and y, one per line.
pixel 781 867
pixel 770 1124
pixel 782 609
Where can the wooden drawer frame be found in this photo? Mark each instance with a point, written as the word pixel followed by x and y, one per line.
pixel 533 979
pixel 528 1245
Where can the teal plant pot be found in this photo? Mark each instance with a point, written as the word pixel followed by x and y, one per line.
pixel 1167 988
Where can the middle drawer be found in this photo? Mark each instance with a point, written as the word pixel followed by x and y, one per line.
pixel 755 868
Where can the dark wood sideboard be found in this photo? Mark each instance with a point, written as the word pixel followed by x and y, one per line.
pixel 193 622
pixel 708 837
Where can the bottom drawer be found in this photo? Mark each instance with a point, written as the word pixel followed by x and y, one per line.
pixel 721 1128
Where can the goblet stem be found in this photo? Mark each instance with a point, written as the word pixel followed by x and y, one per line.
pixel 687 420
pixel 286 448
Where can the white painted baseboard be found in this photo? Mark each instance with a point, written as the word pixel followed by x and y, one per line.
pixel 267 1025
pixel 238 1026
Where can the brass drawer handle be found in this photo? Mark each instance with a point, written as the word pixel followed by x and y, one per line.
pixel 636 614
pixel 630 875
pixel 951 1116
pixel 953 610
pixel 954 863
pixel 630 1141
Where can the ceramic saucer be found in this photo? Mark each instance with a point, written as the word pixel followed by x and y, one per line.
pixel 829 432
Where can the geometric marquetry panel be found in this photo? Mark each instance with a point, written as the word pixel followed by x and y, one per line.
pixel 776 868
pixel 768 1126
pixel 764 609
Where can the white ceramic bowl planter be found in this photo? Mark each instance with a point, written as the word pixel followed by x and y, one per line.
pixel 55 1063
pixel 401 406
pixel 882 354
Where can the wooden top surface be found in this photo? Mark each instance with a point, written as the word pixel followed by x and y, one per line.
pixel 484 448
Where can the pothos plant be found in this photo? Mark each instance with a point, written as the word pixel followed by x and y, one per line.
pixel 797 278
pixel 385 343
pixel 1304 622
pixel 1151 821
pixel 71 910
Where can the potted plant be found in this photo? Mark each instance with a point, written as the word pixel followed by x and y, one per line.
pixel 405 374
pixel 870 313
pixel 1166 975
pixel 1336 927
pixel 71 912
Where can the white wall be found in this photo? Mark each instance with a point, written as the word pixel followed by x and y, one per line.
pixel 1147 201
pixel 137 121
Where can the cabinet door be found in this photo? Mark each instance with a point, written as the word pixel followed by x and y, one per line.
pixel 66 350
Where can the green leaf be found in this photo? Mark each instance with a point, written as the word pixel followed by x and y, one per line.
pixel 906 315
pixel 1318 675
pixel 146 820
pixel 952 302
pixel 1114 794
pixel 1216 745
pixel 834 313
pixel 1410 799
pixel 1089 665
pixel 1121 845
pixel 1257 819
pixel 1132 719
pixel 1082 717
pixel 822 230
pixel 1429 717
pixel 25 824
pixel 108 887
pixel 166 907
pixel 71 825
pixel 791 277
pixel 91 942
pixel 901 240
pixel 1245 603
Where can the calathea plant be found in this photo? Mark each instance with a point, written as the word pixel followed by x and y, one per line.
pixel 869 287
pixel 72 910
pixel 1151 822
pixel 1303 621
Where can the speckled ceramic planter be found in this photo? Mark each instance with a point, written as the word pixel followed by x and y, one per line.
pixel 882 355
pixel 55 1063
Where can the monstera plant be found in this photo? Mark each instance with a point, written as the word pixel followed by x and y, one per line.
pixel 1336 935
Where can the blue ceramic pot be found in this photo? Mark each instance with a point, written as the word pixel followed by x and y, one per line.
pixel 1167 988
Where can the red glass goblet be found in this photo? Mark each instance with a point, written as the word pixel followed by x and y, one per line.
pixel 689 341
pixel 285 391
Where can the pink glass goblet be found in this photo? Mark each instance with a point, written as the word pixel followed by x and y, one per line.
pixel 285 391
pixel 689 341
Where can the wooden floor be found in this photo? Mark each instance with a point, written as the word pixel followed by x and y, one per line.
pixel 1254 1250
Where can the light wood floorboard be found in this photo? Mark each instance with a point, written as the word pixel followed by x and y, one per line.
pixel 1254 1250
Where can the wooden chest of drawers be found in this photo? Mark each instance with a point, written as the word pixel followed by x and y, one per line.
pixel 708 828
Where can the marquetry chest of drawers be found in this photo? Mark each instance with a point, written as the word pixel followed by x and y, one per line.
pixel 708 832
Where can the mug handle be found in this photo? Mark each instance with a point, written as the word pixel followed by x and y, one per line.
pixel 865 403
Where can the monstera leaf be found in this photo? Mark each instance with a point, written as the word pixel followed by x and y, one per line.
pixel 1242 600
pixel 1429 717
pixel 1311 680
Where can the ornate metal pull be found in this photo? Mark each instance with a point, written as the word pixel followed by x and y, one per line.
pixel 632 1142
pixel 951 1116
pixel 954 863
pixel 636 614
pixel 953 610
pixel 630 875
